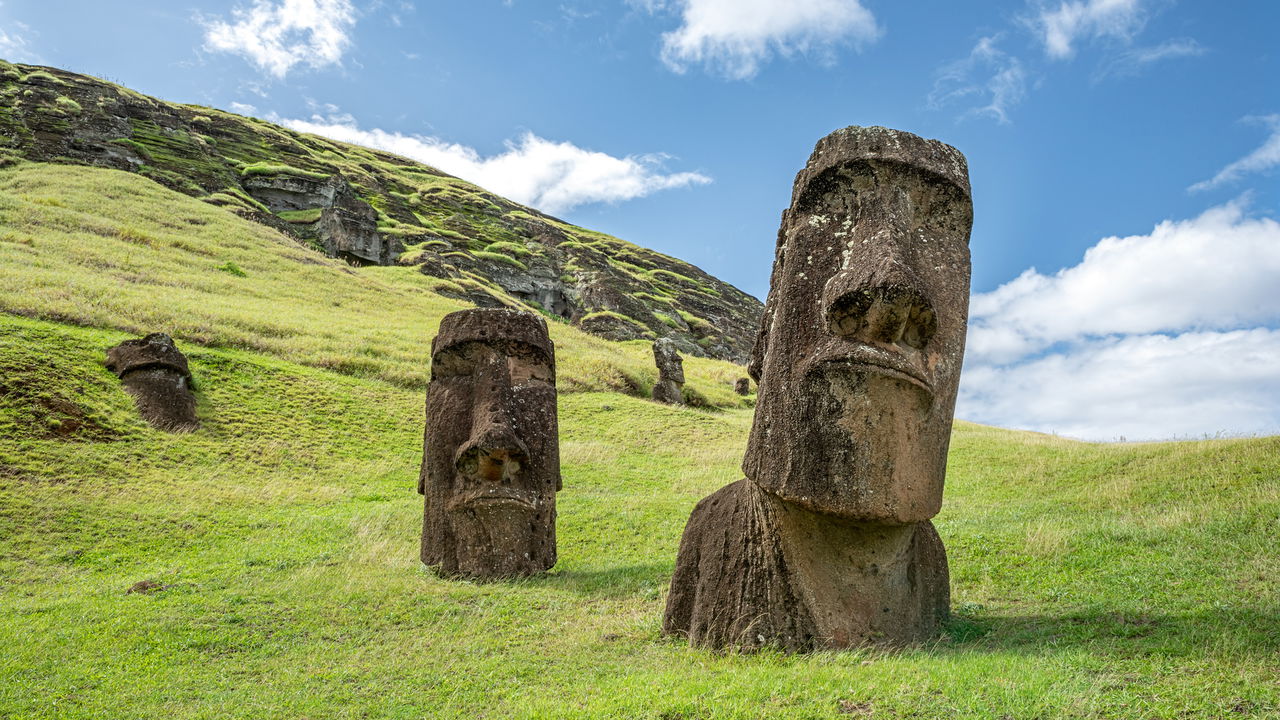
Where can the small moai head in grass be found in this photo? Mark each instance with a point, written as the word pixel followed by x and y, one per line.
pixel 670 386
pixel 859 353
pixel 742 386
pixel 491 453
pixel 155 372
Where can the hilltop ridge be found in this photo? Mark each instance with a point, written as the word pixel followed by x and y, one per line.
pixel 370 207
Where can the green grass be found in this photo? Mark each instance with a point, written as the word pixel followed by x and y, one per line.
pixel 1090 581
pixel 103 248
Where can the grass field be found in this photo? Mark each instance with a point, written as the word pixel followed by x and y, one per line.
pixel 1088 581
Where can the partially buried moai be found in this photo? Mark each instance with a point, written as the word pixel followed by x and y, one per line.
pixel 670 386
pixel 827 542
pixel 491 454
pixel 154 371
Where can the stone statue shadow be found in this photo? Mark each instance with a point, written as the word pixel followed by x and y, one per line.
pixel 607 582
pixel 1248 631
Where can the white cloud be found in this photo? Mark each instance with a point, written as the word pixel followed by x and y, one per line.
pixel 736 37
pixel 14 46
pixel 987 74
pixel 551 176
pixel 1150 336
pixel 276 36
pixel 1059 28
pixel 1264 158
pixel 1139 387
pixel 1132 62
pixel 243 108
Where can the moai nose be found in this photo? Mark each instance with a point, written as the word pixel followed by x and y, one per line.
pixel 494 453
pixel 882 304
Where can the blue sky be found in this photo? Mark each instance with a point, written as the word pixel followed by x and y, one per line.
pixel 1123 153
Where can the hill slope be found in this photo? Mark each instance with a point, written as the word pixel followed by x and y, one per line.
pixel 1089 581
pixel 374 208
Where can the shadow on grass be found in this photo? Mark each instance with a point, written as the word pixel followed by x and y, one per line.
pixel 648 580
pixel 1245 632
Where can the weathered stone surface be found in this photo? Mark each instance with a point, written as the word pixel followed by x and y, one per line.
pixel 491 458
pixel 347 227
pixel 742 386
pixel 827 542
pixel 155 372
pixel 670 386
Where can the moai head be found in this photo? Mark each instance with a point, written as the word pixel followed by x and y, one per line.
pixel 742 386
pixel 670 364
pixel 859 353
pixel 154 371
pixel 670 373
pixel 491 457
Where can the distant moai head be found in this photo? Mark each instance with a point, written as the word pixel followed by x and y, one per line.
pixel 742 386
pixel 670 364
pixel 859 353
pixel 491 456
pixel 154 371
pixel 670 372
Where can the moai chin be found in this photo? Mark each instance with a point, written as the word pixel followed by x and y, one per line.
pixel 154 371
pixel 669 388
pixel 491 454
pixel 858 364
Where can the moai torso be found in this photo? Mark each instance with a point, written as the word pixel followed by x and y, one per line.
pixel 155 373
pixel 827 542
pixel 491 461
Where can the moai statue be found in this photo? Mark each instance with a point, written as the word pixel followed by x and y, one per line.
pixel 742 386
pixel 154 371
pixel 491 453
pixel 670 373
pixel 827 542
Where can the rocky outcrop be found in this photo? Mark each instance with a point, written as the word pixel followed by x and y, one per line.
pixel 372 208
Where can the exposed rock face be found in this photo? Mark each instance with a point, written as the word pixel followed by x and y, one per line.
pixel 742 386
pixel 670 386
pixel 827 542
pixel 371 207
pixel 155 373
pixel 491 454
pixel 347 227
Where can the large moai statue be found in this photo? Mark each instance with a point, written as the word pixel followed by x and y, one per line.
pixel 827 542
pixel 154 371
pixel 670 386
pixel 491 453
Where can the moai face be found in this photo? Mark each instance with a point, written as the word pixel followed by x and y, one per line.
pixel 491 461
pixel 155 372
pixel 858 360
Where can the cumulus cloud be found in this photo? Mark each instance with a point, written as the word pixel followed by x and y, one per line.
pixel 736 37
pixel 1264 158
pixel 988 75
pixel 276 36
pixel 551 176
pixel 1150 336
pixel 1059 28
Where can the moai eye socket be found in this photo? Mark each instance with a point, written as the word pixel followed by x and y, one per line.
pixel 528 367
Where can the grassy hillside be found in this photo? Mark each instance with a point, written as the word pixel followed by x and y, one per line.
pixel 110 249
pixel 1088 580
pixel 474 245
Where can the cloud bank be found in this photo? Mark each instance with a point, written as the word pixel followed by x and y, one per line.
pixel 551 176
pixel 1169 334
pixel 277 36
pixel 735 38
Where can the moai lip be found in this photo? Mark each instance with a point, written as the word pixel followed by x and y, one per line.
pixel 491 459
pixel 670 386
pixel 857 364
pixel 155 373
